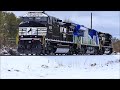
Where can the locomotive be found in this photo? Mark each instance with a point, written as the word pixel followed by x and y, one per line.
pixel 41 34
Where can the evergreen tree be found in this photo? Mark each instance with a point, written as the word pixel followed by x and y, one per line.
pixel 8 27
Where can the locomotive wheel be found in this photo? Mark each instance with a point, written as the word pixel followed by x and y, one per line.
pixel 79 52
pixel 51 53
pixel 43 52
pixel 101 52
pixel 47 52
pixel 69 53
pixel 95 51
pixel 110 51
pixel 83 51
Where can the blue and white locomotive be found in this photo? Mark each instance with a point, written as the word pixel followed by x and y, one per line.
pixel 40 33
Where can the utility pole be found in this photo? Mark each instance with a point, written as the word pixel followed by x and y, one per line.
pixel 91 20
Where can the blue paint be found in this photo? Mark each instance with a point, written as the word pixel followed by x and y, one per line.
pixel 76 30
pixel 94 33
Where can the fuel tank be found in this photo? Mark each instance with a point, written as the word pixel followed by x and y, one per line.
pixel 62 49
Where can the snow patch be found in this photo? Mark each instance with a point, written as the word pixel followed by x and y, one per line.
pixel 99 66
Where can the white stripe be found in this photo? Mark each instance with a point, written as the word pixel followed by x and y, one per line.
pixel 33 27
pixel 58 41
pixel 29 38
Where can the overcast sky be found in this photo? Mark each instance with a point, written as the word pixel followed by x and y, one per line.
pixel 105 21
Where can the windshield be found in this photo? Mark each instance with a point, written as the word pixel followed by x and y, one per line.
pixel 32 24
pixel 40 19
pixel 108 37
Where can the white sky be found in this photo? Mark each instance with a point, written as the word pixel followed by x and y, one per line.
pixel 105 21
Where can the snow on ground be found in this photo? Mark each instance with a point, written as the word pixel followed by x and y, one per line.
pixel 60 67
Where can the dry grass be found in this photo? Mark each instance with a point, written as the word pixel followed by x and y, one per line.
pixel 116 46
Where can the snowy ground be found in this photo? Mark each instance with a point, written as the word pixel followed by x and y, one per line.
pixel 60 67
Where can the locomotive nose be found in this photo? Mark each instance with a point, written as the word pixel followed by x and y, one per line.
pixel 30 47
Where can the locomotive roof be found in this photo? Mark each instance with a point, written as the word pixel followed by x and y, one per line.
pixel 43 14
pixel 35 14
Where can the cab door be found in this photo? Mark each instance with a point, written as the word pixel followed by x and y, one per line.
pixel 56 29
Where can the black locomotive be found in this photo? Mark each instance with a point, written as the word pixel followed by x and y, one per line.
pixel 40 33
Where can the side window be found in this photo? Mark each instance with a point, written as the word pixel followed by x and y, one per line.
pixel 54 20
pixel 71 30
pixel 61 29
pixel 65 29
pixel 50 20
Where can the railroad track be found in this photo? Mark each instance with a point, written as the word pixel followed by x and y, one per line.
pixel 15 53
pixel 51 55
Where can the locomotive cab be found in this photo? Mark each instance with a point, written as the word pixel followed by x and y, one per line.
pixel 32 31
pixel 105 39
pixel 106 42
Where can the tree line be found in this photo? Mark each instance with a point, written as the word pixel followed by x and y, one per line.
pixel 8 28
